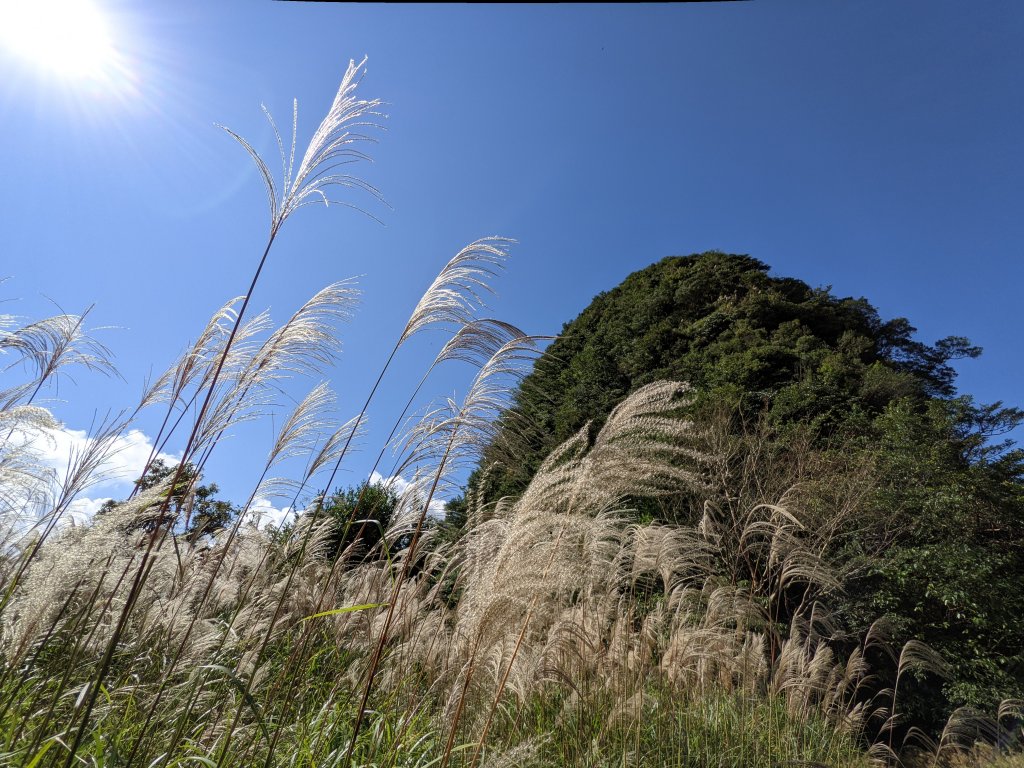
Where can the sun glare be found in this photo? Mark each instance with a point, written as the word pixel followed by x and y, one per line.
pixel 70 38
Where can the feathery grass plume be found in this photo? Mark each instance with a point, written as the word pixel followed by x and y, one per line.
pixel 231 388
pixel 193 365
pixel 452 434
pixel 90 463
pixel 773 518
pixel 562 537
pixel 308 342
pixel 678 557
pixel 194 374
pixel 331 448
pixel 303 430
pixel 85 467
pixel 51 345
pixel 478 341
pixel 334 144
pixel 770 534
pixel 324 455
pixel 222 611
pixel 915 657
pixel 448 436
pixel 710 639
pixel 330 147
pixel 707 647
pixel 444 441
pixel 523 753
pixel 964 730
pixel 6 321
pixel 459 289
pixel 26 483
pixel 26 417
pixel 71 554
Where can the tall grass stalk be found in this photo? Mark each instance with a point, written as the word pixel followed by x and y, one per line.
pixel 331 145
pixel 559 627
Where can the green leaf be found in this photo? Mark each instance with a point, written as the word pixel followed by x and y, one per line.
pixel 198 759
pixel 39 755
pixel 346 609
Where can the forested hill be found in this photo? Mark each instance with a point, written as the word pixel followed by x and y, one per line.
pixel 933 534
pixel 719 321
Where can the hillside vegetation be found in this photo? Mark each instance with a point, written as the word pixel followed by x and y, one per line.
pixel 728 521
pixel 849 411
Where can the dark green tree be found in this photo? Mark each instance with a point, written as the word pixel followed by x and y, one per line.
pixel 362 514
pixel 193 507
pixel 940 549
pixel 456 513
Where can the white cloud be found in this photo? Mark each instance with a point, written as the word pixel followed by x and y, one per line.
pixel 400 486
pixel 121 467
pixel 57 448
pixel 82 509
pixel 265 515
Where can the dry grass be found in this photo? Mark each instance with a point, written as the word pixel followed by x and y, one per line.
pixel 560 629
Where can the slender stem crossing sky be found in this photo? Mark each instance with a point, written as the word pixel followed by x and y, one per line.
pixel 874 147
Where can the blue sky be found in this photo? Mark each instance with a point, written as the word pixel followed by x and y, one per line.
pixel 874 147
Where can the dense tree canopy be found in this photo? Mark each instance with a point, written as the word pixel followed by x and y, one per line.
pixel 937 542
pixel 362 515
pixel 719 321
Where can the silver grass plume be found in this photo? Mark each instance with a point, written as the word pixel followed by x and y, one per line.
pixel 564 535
pixel 26 483
pixel 460 287
pixel 27 417
pixel 195 363
pixel 478 341
pixel 93 552
pixel 182 385
pixel 302 430
pixel 53 344
pixel 85 467
pixel 308 342
pixel 333 146
pixel 332 446
pixel 453 434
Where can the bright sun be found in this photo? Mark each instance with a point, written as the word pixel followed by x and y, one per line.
pixel 68 37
